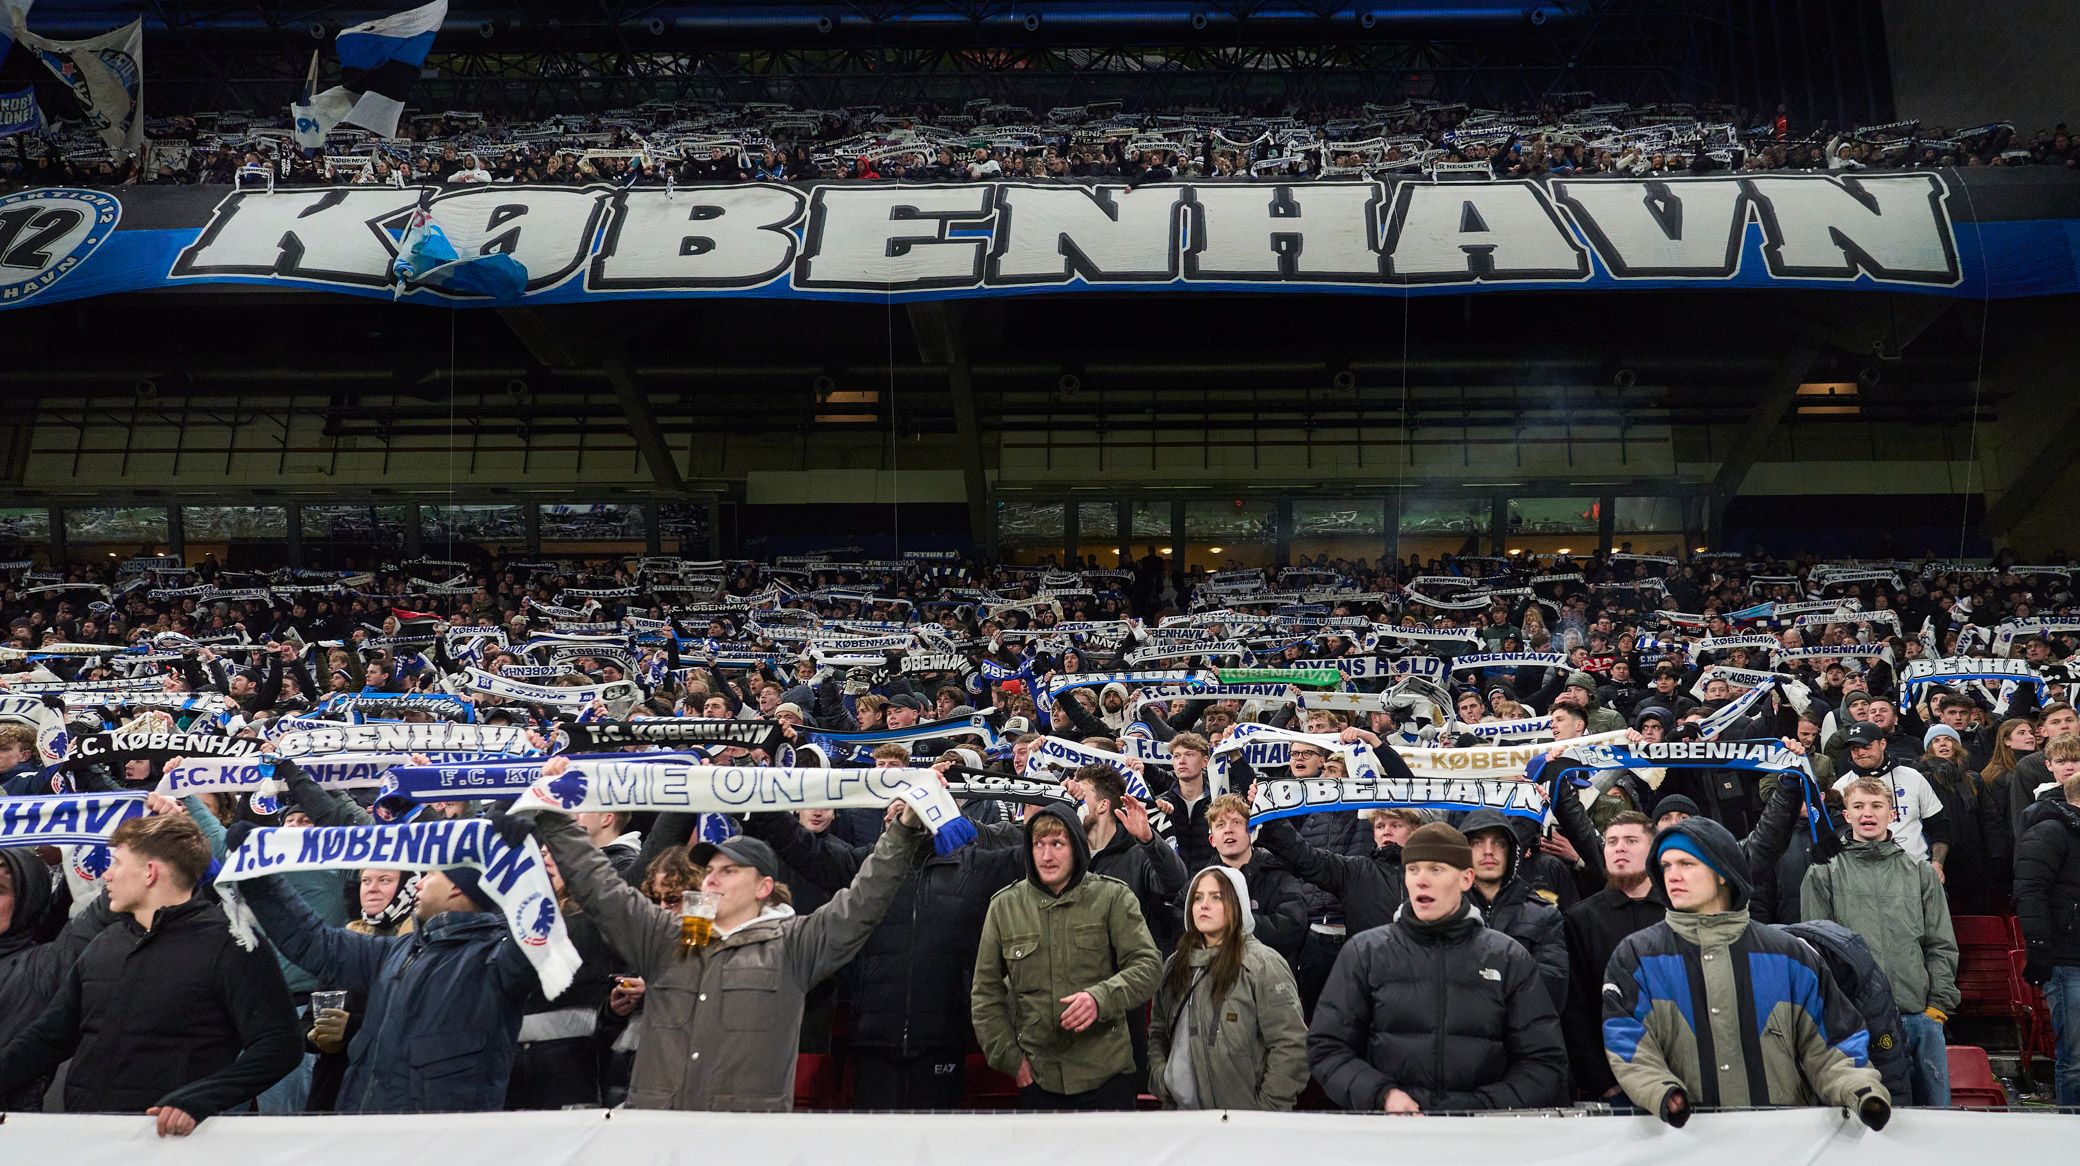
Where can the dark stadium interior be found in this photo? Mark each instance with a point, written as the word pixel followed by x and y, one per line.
pixel 594 581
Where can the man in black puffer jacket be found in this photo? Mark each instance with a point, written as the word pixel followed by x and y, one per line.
pixel 163 1013
pixel 1436 1012
pixel 1505 899
pixel 2047 898
pixel 910 1028
pixel 30 972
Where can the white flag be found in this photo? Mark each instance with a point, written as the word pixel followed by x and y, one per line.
pixel 106 74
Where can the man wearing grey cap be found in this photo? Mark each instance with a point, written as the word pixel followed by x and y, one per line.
pixel 722 1021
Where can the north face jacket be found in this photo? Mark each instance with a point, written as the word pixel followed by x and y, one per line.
pixel 1452 1013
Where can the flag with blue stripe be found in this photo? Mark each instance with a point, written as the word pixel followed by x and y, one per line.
pixel 378 62
pixel 427 258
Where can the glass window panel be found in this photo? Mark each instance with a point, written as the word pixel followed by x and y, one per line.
pixel 1338 517
pixel 683 523
pixel 121 524
pixel 1031 524
pixel 1242 519
pixel 1554 515
pixel 25 524
pixel 601 522
pixel 1644 515
pixel 354 523
pixel 234 523
pixel 1097 520
pixel 487 523
pixel 1455 516
pixel 1150 520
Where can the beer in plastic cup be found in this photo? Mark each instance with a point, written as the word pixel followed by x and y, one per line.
pixel 697 918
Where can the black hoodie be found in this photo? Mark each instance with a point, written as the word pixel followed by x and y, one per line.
pixel 30 972
pixel 1536 927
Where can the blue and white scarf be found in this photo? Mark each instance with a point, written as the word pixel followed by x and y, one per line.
pixel 514 877
pixel 638 782
pixel 66 819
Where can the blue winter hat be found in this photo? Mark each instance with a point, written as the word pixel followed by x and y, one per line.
pixel 1934 731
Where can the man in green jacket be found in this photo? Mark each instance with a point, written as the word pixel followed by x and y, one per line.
pixel 1065 955
pixel 1895 902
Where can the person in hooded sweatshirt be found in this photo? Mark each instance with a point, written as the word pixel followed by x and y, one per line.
pixel 1065 955
pixel 1436 1012
pixel 1708 1007
pixel 30 972
pixel 1507 902
pixel 1226 1031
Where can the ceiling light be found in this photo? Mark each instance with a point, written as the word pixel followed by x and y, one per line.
pixel 1564 551
pixel 1213 550
pixel 1166 550
pixel 1700 550
pixel 1516 550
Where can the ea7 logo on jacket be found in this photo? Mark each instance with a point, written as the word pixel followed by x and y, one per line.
pixel 44 234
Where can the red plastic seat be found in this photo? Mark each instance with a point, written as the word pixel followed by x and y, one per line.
pixel 2034 1034
pixel 816 1081
pixel 1972 1083
pixel 987 1088
pixel 1982 965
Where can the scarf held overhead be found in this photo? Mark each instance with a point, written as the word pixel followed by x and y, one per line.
pixel 513 877
pixel 636 783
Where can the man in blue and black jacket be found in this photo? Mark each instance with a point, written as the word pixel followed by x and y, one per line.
pixel 1709 1008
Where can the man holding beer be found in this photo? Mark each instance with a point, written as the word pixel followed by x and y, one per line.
pixel 723 1003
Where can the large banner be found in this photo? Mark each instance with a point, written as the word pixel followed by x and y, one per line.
pixel 1914 1137
pixel 1992 233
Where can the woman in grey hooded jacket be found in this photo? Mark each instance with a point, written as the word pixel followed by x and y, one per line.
pixel 1226 1031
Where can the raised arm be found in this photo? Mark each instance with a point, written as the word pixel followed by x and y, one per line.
pixel 643 933
pixel 828 939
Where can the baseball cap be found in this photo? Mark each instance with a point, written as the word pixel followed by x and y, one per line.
pixel 1865 733
pixel 742 850
pixel 907 700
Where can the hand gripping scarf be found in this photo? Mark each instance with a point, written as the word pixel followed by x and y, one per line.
pixel 618 695
pixel 126 745
pixel 1264 746
pixel 1475 660
pixel 429 737
pixel 1754 756
pixel 1921 673
pixel 1385 782
pixel 855 746
pixel 1501 761
pixel 636 783
pixel 513 877
pixel 66 819
pixel 587 736
pixel 256 774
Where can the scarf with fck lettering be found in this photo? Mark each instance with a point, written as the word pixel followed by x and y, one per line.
pixel 512 877
pixel 636 783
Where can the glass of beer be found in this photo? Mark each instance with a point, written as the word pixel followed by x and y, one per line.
pixel 697 918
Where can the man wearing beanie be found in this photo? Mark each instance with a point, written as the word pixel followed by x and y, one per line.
pixel 444 1001
pixel 1770 1028
pixel 1435 1012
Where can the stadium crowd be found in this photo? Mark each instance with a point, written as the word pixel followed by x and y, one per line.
pixel 705 144
pixel 1198 856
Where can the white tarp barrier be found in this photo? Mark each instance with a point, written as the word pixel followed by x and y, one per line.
pixel 1914 1138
